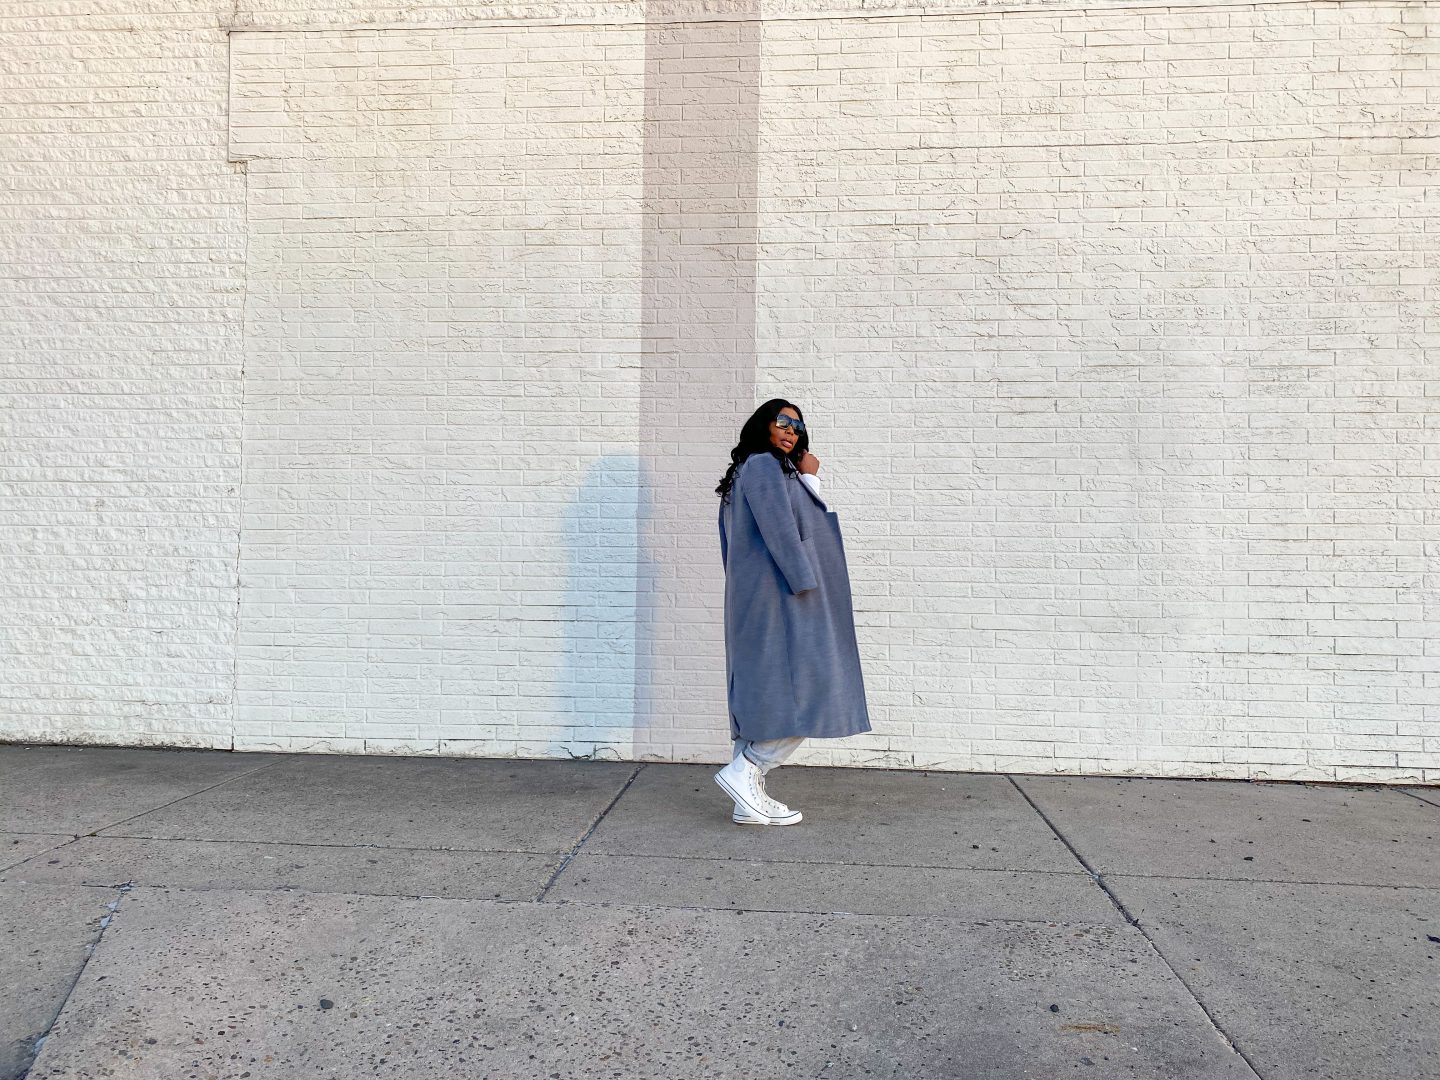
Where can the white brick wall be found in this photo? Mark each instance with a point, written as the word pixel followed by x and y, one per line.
pixel 121 228
pixel 441 346
pixel 1116 329
pixel 1120 322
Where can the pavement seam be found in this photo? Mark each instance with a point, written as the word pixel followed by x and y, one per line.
pixel 190 795
pixel 565 861
pixel 612 905
pixel 552 854
pixel 6 871
pixel 5 868
pixel 1422 798
pixel 1279 881
pixel 831 911
pixel 1100 882
pixel 313 844
pixel 90 948
pixel 826 862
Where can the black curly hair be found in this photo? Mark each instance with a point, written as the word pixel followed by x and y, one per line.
pixel 755 439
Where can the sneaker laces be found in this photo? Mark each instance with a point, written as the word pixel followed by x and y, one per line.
pixel 754 781
pixel 774 805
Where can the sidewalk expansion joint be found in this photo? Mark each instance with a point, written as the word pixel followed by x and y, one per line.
pixel 340 844
pixel 858 864
pixel 936 916
pixel 8 867
pixel 1276 881
pixel 564 862
pixel 90 947
pixel 1101 884
pixel 179 799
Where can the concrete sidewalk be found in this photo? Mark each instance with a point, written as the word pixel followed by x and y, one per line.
pixel 171 914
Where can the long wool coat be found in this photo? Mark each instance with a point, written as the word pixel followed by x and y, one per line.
pixel 791 661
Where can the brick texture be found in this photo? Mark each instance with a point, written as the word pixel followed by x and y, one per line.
pixel 122 227
pixel 365 388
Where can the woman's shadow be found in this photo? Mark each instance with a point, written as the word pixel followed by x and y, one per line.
pixel 597 677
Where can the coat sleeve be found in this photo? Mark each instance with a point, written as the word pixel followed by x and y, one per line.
pixel 765 495
pixel 724 541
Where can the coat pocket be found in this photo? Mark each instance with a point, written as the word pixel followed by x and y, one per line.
pixel 807 545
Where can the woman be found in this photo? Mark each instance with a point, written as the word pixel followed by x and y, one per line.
pixel 791 663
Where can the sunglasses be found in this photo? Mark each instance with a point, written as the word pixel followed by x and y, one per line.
pixel 782 422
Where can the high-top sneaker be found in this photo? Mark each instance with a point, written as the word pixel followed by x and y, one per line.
pixel 777 809
pixel 743 782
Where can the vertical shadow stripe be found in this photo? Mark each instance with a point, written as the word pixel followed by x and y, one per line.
pixel 698 362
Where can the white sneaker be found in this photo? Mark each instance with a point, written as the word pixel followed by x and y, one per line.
pixel 774 805
pixel 742 781
pixel 741 816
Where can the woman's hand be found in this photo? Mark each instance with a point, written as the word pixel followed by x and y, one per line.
pixel 809 463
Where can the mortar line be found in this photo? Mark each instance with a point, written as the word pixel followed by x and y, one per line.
pixel 1081 8
pixel 90 950
pixel 1133 921
pixel 564 862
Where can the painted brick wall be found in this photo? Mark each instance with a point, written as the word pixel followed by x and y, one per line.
pixel 1124 324
pixel 1116 330
pixel 441 388
pixel 121 233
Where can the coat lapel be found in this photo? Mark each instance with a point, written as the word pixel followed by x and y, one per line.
pixel 818 501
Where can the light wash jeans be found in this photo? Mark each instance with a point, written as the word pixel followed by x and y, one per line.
pixel 768 753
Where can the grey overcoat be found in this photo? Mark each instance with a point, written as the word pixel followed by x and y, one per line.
pixel 791 661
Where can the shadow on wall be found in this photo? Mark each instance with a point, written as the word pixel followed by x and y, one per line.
pixel 596 714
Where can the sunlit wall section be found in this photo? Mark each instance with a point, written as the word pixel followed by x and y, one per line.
pixel 1112 332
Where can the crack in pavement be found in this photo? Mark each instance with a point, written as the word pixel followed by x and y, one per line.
pixel 112 909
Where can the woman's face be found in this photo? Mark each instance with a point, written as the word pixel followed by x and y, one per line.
pixel 781 437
